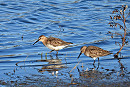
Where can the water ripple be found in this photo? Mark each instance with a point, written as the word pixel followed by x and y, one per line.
pixel 83 22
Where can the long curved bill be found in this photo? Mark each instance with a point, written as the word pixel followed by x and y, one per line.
pixel 36 41
pixel 79 55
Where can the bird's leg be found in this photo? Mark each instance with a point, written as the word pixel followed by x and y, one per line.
pixel 98 60
pixel 94 66
pixel 56 53
pixel 98 66
pixel 51 51
pixel 93 62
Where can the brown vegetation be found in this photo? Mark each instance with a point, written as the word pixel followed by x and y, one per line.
pixel 119 15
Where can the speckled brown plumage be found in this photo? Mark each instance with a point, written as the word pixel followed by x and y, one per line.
pixel 53 43
pixel 96 52
pixel 56 42
pixel 93 52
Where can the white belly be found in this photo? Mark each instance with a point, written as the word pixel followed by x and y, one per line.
pixel 55 48
pixel 94 58
pixel 87 54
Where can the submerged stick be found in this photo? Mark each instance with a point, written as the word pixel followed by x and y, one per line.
pixel 21 61
pixel 75 66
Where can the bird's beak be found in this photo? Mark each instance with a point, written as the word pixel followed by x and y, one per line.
pixel 79 55
pixel 36 41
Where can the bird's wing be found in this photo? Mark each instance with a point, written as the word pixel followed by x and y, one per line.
pixel 96 52
pixel 55 41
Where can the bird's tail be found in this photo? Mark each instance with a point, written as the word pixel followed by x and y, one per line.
pixel 69 43
pixel 110 52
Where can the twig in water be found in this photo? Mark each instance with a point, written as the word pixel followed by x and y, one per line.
pixel 74 67
pixel 21 61
pixel 82 66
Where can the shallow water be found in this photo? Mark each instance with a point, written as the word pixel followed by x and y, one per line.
pixel 83 22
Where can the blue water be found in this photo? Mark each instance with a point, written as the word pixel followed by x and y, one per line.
pixel 83 22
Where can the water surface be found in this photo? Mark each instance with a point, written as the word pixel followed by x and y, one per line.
pixel 83 22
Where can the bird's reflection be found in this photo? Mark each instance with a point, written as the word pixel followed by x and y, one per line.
pixel 102 73
pixel 53 66
pixel 90 73
pixel 95 66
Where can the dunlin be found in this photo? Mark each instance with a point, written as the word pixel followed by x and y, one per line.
pixel 93 52
pixel 55 44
